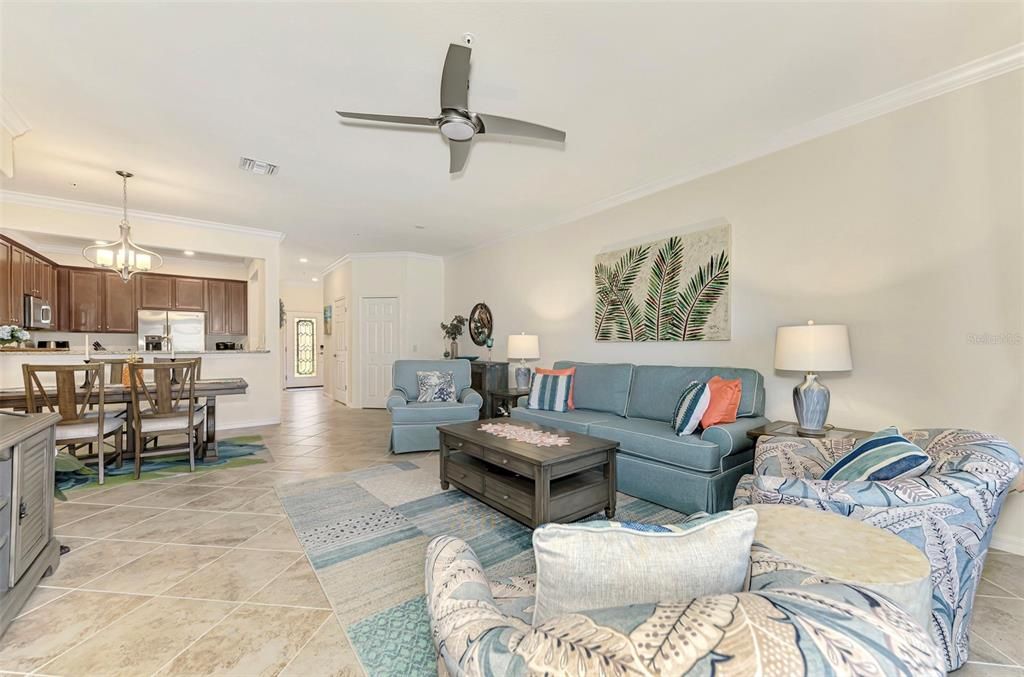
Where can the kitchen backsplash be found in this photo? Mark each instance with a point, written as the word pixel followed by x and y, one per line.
pixel 121 342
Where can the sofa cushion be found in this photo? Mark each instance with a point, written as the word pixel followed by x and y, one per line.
pixel 656 441
pixel 656 389
pixel 594 565
pixel 576 420
pixel 434 412
pixel 602 387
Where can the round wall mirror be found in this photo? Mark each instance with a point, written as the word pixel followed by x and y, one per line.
pixel 481 324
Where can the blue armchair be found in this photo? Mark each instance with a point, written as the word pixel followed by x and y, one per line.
pixel 414 424
pixel 948 513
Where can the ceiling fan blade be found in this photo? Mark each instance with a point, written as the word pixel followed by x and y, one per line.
pixel 400 119
pixel 459 152
pixel 495 124
pixel 455 78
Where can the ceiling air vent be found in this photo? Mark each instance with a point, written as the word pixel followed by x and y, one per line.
pixel 256 166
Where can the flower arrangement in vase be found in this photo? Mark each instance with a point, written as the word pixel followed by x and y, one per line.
pixel 11 335
pixel 452 331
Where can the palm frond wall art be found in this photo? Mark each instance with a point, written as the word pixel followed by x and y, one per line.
pixel 673 289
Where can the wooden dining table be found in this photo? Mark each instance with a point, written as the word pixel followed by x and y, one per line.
pixel 115 393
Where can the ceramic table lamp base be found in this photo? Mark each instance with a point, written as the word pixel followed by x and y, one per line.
pixel 811 400
pixel 522 377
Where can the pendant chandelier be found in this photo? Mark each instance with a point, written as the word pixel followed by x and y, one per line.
pixel 124 256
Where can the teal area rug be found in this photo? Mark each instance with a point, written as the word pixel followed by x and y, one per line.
pixel 232 452
pixel 366 532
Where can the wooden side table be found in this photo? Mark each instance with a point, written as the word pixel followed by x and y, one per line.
pixel 506 398
pixel 789 429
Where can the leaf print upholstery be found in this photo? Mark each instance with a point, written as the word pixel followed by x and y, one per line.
pixel 791 624
pixel 948 513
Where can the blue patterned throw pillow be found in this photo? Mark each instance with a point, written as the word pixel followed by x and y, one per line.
pixel 886 455
pixel 550 392
pixel 435 386
pixel 691 406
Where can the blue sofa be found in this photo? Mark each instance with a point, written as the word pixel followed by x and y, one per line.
pixel 414 424
pixel 633 405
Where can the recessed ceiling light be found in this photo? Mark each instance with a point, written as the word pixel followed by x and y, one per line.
pixel 303 260
pixel 188 252
pixel 100 241
pixel 316 279
pixel 257 166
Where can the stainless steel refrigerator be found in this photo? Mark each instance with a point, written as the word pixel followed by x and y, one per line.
pixel 186 331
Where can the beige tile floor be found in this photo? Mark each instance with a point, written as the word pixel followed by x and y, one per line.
pixel 201 574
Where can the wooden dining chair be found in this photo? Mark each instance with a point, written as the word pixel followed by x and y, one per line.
pixel 161 408
pixel 177 373
pixel 79 427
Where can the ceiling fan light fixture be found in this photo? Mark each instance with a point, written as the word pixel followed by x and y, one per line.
pixel 457 128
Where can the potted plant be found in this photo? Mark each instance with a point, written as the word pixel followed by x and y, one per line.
pixel 452 331
pixel 11 335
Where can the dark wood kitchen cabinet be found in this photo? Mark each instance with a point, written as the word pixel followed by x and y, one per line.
pixel 238 310
pixel 119 307
pixel 84 306
pixel 189 293
pixel 156 292
pixel 227 307
pixel 17 286
pixel 6 313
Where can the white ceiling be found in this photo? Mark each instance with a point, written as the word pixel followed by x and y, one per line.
pixel 177 92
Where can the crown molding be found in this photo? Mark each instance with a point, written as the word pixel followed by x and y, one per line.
pixel 972 72
pixel 79 207
pixel 379 255
pixel 71 249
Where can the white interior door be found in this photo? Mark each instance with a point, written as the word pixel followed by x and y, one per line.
pixel 340 333
pixel 379 333
pixel 303 351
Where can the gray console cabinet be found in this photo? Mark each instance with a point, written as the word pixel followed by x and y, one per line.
pixel 28 550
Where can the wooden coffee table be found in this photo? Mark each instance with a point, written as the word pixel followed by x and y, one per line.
pixel 531 484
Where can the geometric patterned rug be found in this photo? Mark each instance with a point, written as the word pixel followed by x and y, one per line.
pixel 365 533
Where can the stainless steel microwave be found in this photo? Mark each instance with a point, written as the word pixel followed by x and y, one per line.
pixel 38 314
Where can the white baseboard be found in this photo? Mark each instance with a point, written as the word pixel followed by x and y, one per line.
pixel 1009 542
pixel 234 425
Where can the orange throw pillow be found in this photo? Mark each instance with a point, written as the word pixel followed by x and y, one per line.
pixel 564 372
pixel 725 401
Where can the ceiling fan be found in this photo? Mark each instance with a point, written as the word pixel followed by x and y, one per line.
pixel 456 122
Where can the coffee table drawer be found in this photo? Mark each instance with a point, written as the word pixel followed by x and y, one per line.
pixel 508 462
pixel 509 496
pixel 465 474
pixel 456 444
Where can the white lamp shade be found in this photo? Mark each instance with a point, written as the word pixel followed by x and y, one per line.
pixel 523 347
pixel 813 347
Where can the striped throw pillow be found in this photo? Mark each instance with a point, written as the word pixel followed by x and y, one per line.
pixel 691 406
pixel 550 392
pixel 886 455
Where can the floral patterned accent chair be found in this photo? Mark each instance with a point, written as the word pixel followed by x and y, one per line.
pixel 948 513
pixel 792 623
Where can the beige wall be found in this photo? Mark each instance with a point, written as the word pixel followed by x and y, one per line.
pixel 262 404
pixel 908 228
pixel 418 283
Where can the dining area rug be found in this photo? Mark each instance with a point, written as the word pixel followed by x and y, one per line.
pixel 365 533
pixel 232 452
